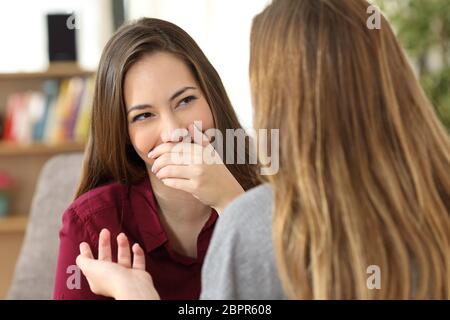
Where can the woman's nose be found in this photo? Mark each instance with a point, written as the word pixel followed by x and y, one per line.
pixel 172 130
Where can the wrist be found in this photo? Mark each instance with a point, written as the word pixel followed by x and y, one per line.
pixel 229 197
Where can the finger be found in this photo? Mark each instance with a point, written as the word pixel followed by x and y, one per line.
pixel 162 161
pixel 198 136
pixel 86 264
pixel 168 159
pixel 104 245
pixel 85 250
pixel 138 257
pixel 176 171
pixel 160 149
pixel 83 263
pixel 180 184
pixel 123 251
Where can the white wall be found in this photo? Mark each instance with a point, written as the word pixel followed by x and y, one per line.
pixel 23 32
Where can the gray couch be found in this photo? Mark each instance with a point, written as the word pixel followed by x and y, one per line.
pixel 35 268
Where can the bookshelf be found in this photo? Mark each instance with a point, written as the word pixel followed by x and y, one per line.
pixel 24 161
pixel 13 224
pixel 35 149
pixel 50 74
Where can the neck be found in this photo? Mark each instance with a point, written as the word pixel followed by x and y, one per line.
pixel 181 214
pixel 178 205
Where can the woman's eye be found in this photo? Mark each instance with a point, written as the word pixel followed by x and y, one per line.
pixel 186 101
pixel 143 116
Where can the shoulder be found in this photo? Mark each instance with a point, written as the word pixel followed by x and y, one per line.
pixel 261 194
pixel 252 210
pixel 98 199
pixel 240 263
pixel 101 207
pixel 247 223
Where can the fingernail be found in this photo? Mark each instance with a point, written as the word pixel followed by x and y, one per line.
pixel 82 247
pixel 150 154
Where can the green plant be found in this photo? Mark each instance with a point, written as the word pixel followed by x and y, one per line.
pixel 423 27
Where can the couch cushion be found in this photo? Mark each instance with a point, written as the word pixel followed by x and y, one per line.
pixel 35 268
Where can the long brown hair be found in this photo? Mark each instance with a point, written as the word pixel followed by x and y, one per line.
pixel 364 173
pixel 109 155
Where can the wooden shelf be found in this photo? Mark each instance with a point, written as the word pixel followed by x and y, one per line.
pixel 56 70
pixel 13 149
pixel 11 224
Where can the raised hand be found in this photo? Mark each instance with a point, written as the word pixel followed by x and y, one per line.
pixel 197 169
pixel 125 279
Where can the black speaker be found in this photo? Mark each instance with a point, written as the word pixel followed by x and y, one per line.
pixel 118 13
pixel 61 37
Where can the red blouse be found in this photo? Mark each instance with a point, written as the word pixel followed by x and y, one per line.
pixel 132 210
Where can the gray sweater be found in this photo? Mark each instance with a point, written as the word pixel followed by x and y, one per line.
pixel 240 263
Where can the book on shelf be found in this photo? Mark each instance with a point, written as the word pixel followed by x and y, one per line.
pixel 59 113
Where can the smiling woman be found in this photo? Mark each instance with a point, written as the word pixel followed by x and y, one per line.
pixel 152 80
pixel 159 103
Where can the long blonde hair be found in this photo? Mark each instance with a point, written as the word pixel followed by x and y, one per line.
pixel 364 173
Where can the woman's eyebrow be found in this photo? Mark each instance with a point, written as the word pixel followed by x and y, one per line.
pixel 145 106
pixel 139 107
pixel 180 92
